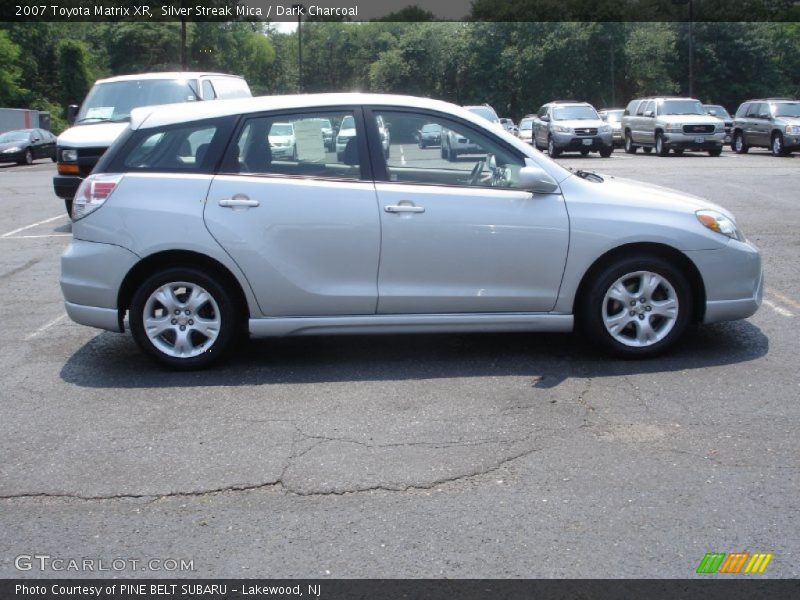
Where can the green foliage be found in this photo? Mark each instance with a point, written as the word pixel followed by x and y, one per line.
pixel 649 54
pixel 73 72
pixel 10 73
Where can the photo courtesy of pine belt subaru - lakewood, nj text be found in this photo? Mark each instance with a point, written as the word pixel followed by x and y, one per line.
pixel 199 231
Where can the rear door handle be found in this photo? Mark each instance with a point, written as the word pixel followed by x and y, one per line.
pixel 403 208
pixel 238 201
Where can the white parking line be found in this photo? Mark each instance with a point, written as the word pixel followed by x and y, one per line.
pixel 45 326
pixel 778 309
pixel 30 237
pixel 784 299
pixel 10 233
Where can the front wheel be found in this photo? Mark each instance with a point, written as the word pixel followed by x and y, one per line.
pixel 551 148
pixel 27 159
pixel 629 147
pixel 637 307
pixel 183 318
pixel 606 152
pixel 715 151
pixel 661 147
pixel 739 146
pixel 777 145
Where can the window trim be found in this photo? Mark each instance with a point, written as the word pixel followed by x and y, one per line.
pixel 365 166
pixel 379 162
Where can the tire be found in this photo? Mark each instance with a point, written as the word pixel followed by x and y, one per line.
pixel 613 316
pixel 630 148
pixel 53 158
pixel 715 151
pixel 421 145
pixel 68 206
pixel 584 152
pixel 738 144
pixel 27 159
pixel 661 148
pixel 647 150
pixel 551 148
pixel 776 145
pixel 606 152
pixel 172 290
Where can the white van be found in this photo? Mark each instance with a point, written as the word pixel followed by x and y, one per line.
pixel 105 114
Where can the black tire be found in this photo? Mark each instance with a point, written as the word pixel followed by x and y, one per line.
pixel 584 152
pixel 662 149
pixel 551 148
pixel 739 145
pixel 229 322
pixel 715 151
pixel 647 150
pixel 630 147
pixel 68 206
pixel 776 145
pixel 53 158
pixel 606 152
pixel 27 159
pixel 594 303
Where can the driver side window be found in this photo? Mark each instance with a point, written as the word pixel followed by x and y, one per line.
pixel 427 149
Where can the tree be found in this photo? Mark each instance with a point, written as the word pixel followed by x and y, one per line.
pixel 649 52
pixel 10 73
pixel 73 72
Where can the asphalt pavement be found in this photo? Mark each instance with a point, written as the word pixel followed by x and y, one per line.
pixel 502 455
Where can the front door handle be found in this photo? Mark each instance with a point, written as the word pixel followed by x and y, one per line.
pixel 403 208
pixel 238 201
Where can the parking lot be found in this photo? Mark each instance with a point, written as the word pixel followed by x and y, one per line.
pixel 502 455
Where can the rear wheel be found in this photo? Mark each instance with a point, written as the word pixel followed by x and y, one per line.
pixel 739 145
pixel 183 318
pixel 629 146
pixel 637 307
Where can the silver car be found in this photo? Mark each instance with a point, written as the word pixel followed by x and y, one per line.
pixel 189 234
pixel 566 126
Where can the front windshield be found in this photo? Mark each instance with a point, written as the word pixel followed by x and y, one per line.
pixel 579 113
pixel 114 101
pixel 526 124
pixel 432 128
pixel 721 112
pixel 485 112
pixel 682 107
pixel 787 110
pixel 348 123
pixel 15 136
pixel 281 129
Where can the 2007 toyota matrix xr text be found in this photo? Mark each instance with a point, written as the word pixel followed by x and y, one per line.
pixel 206 222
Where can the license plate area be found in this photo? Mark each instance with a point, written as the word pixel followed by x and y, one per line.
pixel 587 142
pixel 699 140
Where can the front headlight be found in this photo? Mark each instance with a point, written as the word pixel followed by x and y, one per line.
pixel 674 128
pixel 793 129
pixel 12 149
pixel 561 129
pixel 69 155
pixel 716 221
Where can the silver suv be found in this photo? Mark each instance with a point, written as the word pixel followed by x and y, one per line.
pixel 192 232
pixel 571 127
pixel 773 123
pixel 667 123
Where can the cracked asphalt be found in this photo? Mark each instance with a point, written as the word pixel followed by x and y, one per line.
pixel 503 455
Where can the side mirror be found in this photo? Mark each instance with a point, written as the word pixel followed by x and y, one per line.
pixel 546 118
pixel 536 180
pixel 72 112
pixel 648 113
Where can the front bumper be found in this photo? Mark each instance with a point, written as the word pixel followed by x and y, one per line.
pixel 282 151
pixel 685 141
pixel 570 141
pixel 65 186
pixel 12 156
pixel 733 278
pixel 91 276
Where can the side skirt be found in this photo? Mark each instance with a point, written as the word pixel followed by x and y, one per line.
pixel 436 323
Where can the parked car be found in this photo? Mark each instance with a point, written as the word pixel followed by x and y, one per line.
pixel 511 242
pixel 105 113
pixel 282 141
pixel 509 126
pixel 562 126
pixel 613 116
pixel 772 123
pixel 487 112
pixel 717 110
pixel 669 123
pixel 429 135
pixel 525 132
pixel 23 146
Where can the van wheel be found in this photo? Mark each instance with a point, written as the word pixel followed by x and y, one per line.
pixel 636 307
pixel 183 318
pixel 661 148
pixel 777 145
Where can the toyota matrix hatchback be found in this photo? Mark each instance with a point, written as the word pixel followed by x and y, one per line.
pixel 198 232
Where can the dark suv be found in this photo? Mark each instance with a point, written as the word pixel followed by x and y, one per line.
pixel 772 123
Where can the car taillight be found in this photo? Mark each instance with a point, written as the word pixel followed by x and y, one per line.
pixel 92 193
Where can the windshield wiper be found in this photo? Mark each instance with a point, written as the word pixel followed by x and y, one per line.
pixel 94 119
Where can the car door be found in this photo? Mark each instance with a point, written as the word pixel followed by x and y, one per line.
pixel 460 237
pixel 304 227
pixel 754 128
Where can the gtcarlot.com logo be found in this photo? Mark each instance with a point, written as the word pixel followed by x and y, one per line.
pixel 45 562
pixel 735 562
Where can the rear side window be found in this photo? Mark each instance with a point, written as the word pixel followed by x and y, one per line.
pixel 189 147
pixel 631 108
pixel 742 110
pixel 208 90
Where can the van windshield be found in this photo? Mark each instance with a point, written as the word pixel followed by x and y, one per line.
pixel 114 101
pixel 682 107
